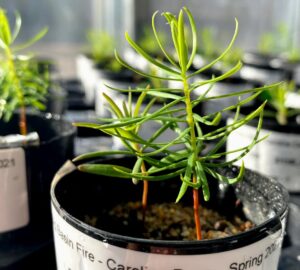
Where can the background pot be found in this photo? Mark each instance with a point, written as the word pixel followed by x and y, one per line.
pixel 278 156
pixel 91 75
pixel 78 245
pixel 56 99
pixel 27 231
pixel 125 79
pixel 75 95
pixel 227 86
pixel 87 139
pixel 266 69
pixel 88 76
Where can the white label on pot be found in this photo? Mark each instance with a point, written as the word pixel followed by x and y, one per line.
pixel 278 156
pixel 78 251
pixel 263 75
pixel 14 210
pixel 293 100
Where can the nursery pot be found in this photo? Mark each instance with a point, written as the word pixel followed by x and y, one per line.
pixel 75 95
pixel 26 171
pixel 136 60
pixel 125 79
pixel 227 86
pixel 81 246
pixel 88 76
pixel 278 156
pixel 266 69
pixel 91 74
pixel 56 99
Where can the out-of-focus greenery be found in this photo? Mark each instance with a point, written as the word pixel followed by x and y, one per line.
pixel 209 49
pixel 279 43
pixel 277 100
pixel 20 82
pixel 148 41
pixel 102 46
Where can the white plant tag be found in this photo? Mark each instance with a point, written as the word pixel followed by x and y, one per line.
pixel 14 209
pixel 77 251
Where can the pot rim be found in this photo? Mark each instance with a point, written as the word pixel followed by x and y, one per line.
pixel 47 116
pixel 182 247
pixel 65 133
pixel 262 61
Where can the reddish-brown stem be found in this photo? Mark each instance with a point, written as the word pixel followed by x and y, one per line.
pixel 145 186
pixel 20 94
pixel 145 196
pixel 145 192
pixel 23 121
pixel 196 211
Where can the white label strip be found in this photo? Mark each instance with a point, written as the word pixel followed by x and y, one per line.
pixel 77 251
pixel 14 209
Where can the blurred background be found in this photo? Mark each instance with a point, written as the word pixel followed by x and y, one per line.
pixel 69 21
pixel 79 45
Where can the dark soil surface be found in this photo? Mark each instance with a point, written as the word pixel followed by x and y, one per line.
pixel 170 221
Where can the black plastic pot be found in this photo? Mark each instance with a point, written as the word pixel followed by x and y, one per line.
pixel 80 246
pixel 41 163
pixel 264 68
pixel 87 139
pixel 125 79
pixel 123 75
pixel 56 99
pixel 75 95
